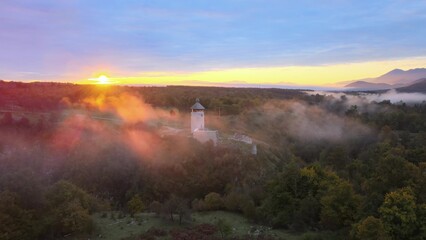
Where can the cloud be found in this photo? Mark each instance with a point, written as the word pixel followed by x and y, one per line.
pixel 396 97
pixel 64 37
pixel 364 99
pixel 278 121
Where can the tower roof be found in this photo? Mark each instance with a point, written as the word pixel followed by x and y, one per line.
pixel 197 105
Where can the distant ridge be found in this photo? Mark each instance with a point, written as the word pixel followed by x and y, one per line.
pixel 417 86
pixel 368 85
pixel 396 78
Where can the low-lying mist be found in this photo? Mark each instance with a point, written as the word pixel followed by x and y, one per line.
pixel 127 123
pixel 299 120
pixel 392 95
pixel 397 97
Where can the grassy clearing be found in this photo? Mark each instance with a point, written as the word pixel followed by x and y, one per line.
pixel 118 228
pixel 114 229
pixel 240 225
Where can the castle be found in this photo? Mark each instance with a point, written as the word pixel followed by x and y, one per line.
pixel 198 130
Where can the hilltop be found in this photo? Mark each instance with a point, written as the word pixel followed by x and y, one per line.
pixel 394 79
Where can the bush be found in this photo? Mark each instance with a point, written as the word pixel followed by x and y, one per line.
pixel 135 205
pixel 213 201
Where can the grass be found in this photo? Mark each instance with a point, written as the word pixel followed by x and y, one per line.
pixel 114 228
pixel 240 225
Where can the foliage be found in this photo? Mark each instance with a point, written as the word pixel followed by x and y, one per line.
pixel 339 206
pixel 70 209
pixel 367 171
pixel 177 205
pixel 213 201
pixel 370 228
pixel 135 205
pixel 16 222
pixel 398 213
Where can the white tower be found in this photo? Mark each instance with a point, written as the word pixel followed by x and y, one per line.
pixel 197 116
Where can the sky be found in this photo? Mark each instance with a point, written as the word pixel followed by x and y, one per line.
pixel 301 42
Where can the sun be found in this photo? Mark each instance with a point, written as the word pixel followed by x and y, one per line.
pixel 103 80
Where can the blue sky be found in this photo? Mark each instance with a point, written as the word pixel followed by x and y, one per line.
pixel 60 39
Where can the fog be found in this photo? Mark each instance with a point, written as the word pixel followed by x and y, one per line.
pixel 301 121
pixel 138 131
pixel 364 98
pixel 396 97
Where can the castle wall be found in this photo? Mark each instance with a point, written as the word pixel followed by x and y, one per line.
pixel 205 136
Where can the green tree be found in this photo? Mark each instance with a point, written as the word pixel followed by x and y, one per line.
pixel 232 201
pixel 213 201
pixel 335 156
pixel 16 222
pixel 370 228
pixel 398 213
pixel 70 209
pixel 64 192
pixel 135 205
pixel 72 217
pixel 421 220
pixel 295 192
pixel 282 200
pixel 340 206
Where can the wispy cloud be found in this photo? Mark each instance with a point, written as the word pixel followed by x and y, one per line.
pixel 57 37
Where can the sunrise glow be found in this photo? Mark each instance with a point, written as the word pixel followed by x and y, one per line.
pixel 321 75
pixel 103 80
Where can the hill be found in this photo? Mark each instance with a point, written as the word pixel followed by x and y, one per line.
pixel 367 85
pixel 417 86
pixel 393 79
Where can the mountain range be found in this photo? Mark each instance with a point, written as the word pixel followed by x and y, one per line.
pixel 413 80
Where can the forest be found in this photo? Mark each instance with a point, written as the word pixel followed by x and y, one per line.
pixel 328 166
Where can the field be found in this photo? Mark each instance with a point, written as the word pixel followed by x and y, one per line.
pixel 114 229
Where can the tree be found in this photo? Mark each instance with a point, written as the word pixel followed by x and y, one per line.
pixel 335 156
pixel 72 217
pixel 70 209
pixel 64 192
pixel 352 111
pixel 340 205
pixel 176 205
pixel 16 222
pixel 224 227
pixel 213 201
pixel 239 202
pixel 398 213
pixel 421 220
pixel 232 201
pixel 182 210
pixel 169 207
pixel 370 228
pixel 155 206
pixel 282 199
pixel 135 205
